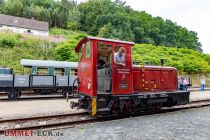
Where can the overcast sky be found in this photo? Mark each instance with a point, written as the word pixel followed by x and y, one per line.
pixel 192 14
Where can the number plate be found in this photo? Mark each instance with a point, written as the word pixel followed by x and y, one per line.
pixel 123 86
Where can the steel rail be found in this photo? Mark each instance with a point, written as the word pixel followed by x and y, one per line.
pixel 28 123
pixel 38 97
pixel 26 98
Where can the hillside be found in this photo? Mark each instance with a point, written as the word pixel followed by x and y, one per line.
pixel 14 47
pixel 185 60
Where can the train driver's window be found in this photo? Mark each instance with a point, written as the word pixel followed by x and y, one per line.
pixel 119 56
pixel 73 72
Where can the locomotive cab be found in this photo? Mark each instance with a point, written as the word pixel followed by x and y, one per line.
pixel 99 75
pixel 114 77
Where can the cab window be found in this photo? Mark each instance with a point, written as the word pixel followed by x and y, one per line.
pixel 81 52
pixel 119 55
pixel 88 49
pixel 104 53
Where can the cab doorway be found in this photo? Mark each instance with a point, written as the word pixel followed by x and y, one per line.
pixel 104 68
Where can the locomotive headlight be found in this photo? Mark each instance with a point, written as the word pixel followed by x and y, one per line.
pixel 89 84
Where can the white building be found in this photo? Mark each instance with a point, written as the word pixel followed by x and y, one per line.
pixel 23 25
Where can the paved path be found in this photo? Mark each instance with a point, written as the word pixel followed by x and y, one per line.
pixel 15 109
pixel 199 95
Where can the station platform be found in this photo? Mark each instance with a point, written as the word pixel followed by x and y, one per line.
pixel 29 108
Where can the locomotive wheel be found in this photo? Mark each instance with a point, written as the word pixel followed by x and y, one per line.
pixel 64 93
pixel 13 95
pixel 19 94
pixel 115 110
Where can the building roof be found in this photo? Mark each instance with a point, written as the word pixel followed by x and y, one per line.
pixel 23 23
pixel 48 63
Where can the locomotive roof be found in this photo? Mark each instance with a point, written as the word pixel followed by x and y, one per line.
pixel 150 66
pixel 48 63
pixel 85 39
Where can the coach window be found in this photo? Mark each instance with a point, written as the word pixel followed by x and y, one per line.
pixel 73 72
pixel 59 71
pixel 42 71
pixel 88 49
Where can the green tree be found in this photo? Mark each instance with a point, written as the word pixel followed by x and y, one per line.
pixel 105 18
pixel 97 17
pixel 65 51
pixel 13 7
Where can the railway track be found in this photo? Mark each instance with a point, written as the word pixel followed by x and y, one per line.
pixel 44 121
pixel 37 97
pixel 29 93
pixel 66 120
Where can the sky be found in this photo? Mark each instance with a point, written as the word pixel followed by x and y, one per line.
pixel 192 14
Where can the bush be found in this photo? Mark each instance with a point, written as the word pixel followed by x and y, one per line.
pixel 69 34
pixel 8 40
pixel 65 51
pixel 185 60
pixel 23 47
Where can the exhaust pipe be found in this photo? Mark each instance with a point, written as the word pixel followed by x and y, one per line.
pixel 161 61
pixel 146 62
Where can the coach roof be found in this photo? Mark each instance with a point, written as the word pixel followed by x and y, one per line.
pixel 48 63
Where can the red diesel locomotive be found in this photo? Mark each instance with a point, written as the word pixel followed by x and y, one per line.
pixel 108 86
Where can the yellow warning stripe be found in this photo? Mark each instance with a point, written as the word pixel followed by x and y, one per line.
pixel 94 104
